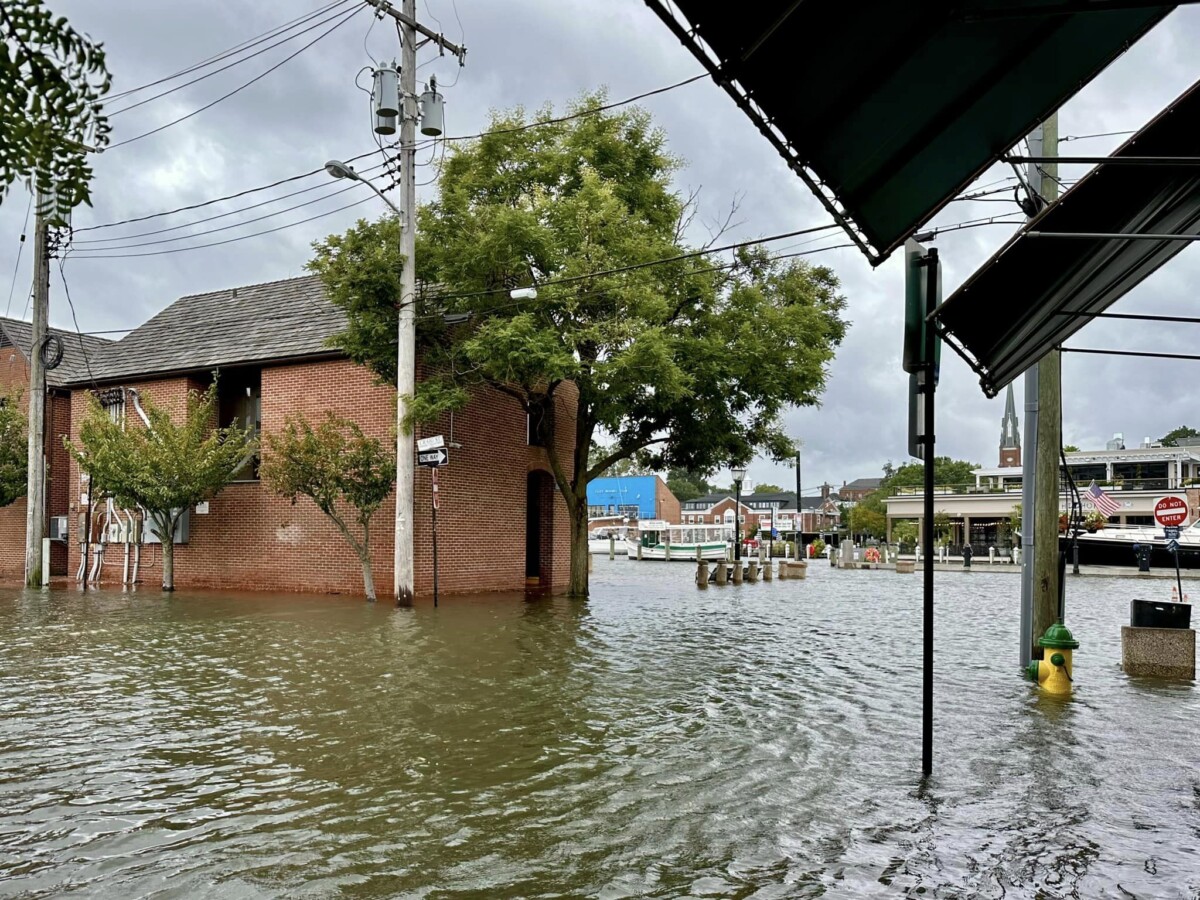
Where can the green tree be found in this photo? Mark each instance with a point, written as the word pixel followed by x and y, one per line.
pixel 687 485
pixel 166 468
pixel 52 79
pixel 684 364
pixel 1171 438
pixel 767 489
pixel 624 467
pixel 905 531
pixel 345 473
pixel 14 449
pixel 1070 448
pixel 869 515
pixel 946 471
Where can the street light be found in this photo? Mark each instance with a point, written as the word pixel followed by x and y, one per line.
pixel 406 385
pixel 739 475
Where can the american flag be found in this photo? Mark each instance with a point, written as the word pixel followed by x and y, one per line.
pixel 1102 501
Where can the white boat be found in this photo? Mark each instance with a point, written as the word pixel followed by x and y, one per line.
pixel 656 539
pixel 598 540
pixel 1114 545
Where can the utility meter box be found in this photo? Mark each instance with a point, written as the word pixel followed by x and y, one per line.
pixel 182 529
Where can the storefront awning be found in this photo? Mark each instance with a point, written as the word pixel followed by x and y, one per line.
pixel 1039 289
pixel 889 109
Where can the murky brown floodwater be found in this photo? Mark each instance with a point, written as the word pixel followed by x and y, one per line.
pixel 760 741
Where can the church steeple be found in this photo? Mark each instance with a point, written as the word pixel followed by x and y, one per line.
pixel 1010 433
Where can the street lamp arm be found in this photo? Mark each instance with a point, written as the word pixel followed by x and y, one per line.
pixel 383 197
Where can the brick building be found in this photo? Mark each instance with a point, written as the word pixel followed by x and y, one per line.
pixel 16 337
pixel 819 515
pixel 502 525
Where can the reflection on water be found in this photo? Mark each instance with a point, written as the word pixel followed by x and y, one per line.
pixel 757 741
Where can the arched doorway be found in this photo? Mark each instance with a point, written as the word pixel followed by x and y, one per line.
pixel 539 529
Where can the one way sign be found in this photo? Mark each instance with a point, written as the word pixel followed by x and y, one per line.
pixel 434 459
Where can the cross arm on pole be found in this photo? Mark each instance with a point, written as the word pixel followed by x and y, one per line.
pixel 384 7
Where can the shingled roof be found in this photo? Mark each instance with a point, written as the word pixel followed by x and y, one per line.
pixel 78 350
pixel 253 324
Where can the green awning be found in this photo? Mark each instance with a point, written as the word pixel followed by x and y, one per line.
pixel 888 109
pixel 1039 289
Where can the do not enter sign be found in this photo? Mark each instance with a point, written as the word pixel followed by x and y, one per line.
pixel 1170 511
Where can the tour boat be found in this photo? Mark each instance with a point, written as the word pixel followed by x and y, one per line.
pixel 1114 545
pixel 656 539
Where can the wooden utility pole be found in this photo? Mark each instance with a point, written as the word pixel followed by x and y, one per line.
pixel 35 495
pixel 406 353
pixel 1046 461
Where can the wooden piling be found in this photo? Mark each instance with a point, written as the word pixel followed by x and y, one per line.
pixel 612 546
pixel 702 574
pixel 783 570
pixel 737 571
pixel 752 571
pixel 722 572
pixel 767 571
pixel 639 550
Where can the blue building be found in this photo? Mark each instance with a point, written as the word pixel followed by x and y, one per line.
pixel 633 496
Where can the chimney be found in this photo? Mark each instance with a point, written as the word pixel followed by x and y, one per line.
pixel 825 492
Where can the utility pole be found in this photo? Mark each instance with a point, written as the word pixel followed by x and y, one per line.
pixel 799 506
pixel 1046 461
pixel 406 352
pixel 35 495
pixel 1043 435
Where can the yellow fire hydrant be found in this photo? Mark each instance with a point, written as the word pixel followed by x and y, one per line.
pixel 1054 672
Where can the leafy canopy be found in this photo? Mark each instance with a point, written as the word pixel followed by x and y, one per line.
pixel 767 489
pixel 169 466
pixel 946 471
pixel 14 450
pixel 1172 437
pixel 683 364
pixel 52 79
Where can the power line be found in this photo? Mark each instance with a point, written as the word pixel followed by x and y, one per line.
pixel 232 212
pixel 62 273
pixel 242 87
pixel 225 54
pixel 20 248
pixel 247 192
pixel 1084 137
pixel 236 62
pixel 228 240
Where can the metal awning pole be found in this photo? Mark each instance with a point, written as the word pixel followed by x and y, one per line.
pixel 1111 236
pixel 929 374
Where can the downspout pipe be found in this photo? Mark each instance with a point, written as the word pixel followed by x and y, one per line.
pixel 137 405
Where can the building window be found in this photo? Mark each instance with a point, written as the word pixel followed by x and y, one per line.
pixel 538 425
pixel 239 401
pixel 112 401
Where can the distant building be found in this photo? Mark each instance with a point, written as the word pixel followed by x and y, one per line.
pixel 858 489
pixel 820 515
pixel 1010 433
pixel 632 497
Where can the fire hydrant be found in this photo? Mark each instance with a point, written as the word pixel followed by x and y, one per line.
pixel 1053 672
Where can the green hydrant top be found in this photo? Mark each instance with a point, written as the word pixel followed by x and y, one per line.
pixel 1058 637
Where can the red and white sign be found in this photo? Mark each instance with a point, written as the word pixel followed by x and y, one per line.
pixel 1171 511
pixel 436 504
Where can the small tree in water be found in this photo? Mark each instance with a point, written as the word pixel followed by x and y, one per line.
pixel 14 450
pixel 166 468
pixel 347 474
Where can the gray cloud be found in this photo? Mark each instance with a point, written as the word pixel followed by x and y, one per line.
pixel 550 50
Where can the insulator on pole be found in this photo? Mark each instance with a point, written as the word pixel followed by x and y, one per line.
pixel 385 92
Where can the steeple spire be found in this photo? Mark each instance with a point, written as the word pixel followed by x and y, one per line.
pixel 1010 433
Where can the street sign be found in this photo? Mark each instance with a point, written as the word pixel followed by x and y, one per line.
pixel 431 443
pixel 433 458
pixel 1170 511
pixel 1173 546
pixel 434 482
pixel 1171 532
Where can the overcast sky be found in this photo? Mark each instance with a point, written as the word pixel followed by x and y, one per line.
pixel 529 52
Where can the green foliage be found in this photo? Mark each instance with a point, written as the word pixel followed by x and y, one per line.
pixel 946 471
pixel 14 450
pixel 767 489
pixel 941 527
pixel 905 531
pixel 1171 438
pixel 1070 448
pixel 682 364
pixel 166 468
pixel 687 485
pixel 869 516
pixel 1014 518
pixel 345 473
pixel 51 82
pixel 628 466
pixel 818 547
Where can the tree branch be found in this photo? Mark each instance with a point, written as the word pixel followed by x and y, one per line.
pixel 620 454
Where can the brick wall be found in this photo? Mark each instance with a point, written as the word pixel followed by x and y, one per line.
pixel 14 376
pixel 666 504
pixel 251 538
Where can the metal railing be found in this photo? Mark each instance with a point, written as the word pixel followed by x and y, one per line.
pixel 1120 484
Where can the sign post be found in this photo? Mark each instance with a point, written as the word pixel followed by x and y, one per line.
pixel 432 453
pixel 1172 513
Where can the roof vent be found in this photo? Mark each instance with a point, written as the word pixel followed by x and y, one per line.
pixel 234 293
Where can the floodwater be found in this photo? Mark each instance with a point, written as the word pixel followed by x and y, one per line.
pixel 757 742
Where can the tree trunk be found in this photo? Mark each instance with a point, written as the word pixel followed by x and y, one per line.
pixel 368 578
pixel 579 552
pixel 167 536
